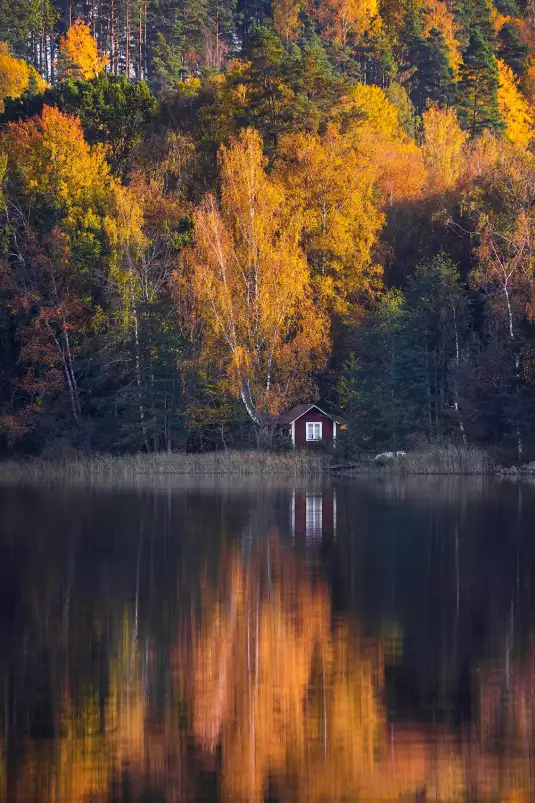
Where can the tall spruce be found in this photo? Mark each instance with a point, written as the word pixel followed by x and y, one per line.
pixel 433 79
pixel 511 48
pixel 477 91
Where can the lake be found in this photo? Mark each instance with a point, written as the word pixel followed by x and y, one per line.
pixel 236 640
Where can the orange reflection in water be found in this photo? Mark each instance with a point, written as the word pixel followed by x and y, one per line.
pixel 271 694
pixel 295 701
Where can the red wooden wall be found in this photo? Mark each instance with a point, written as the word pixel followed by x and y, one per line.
pixel 301 428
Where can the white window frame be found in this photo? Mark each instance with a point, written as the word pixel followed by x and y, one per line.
pixel 311 428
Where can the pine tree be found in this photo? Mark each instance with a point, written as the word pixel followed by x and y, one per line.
pixel 511 49
pixel 433 80
pixel 27 26
pixel 477 94
pixel 507 7
pixel 471 15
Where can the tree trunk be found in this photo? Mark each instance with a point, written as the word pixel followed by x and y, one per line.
pixel 245 395
pixel 114 44
pixel 140 44
pixel 127 41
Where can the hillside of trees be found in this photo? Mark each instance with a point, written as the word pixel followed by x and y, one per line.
pixel 214 209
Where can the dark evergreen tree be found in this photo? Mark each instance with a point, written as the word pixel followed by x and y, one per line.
pixel 477 90
pixel 471 15
pixel 388 365
pixel 251 14
pixel 401 383
pixel 507 7
pixel 511 49
pixel 433 79
pixel 188 36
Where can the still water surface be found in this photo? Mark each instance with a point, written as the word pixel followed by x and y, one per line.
pixel 354 641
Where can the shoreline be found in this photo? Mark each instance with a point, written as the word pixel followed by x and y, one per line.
pixel 450 461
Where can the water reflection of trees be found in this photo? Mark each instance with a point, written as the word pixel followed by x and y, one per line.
pixel 294 700
pixel 264 691
pixel 289 697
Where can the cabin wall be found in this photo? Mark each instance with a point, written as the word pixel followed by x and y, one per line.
pixel 301 428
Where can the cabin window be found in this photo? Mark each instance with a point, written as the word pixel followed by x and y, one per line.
pixel 314 430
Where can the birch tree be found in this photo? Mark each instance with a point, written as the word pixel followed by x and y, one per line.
pixel 505 273
pixel 251 281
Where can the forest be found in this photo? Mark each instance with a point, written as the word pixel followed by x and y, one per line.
pixel 212 210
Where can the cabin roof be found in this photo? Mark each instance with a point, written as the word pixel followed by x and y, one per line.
pixel 301 409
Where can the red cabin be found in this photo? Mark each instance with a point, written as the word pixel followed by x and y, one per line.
pixel 309 425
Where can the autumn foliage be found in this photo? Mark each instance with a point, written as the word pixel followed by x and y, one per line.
pixel 253 281
pixel 79 57
pixel 16 76
pixel 243 209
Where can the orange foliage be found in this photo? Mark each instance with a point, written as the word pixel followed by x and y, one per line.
pixel 373 122
pixel 404 174
pixel 281 695
pixel 53 159
pixel 279 689
pixel 79 58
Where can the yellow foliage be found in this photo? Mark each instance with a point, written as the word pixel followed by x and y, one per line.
pixel 373 123
pixel 79 58
pixel 335 189
pixel 349 20
pixel 443 148
pixel 57 167
pixel 189 89
pixel 251 279
pixel 514 108
pixel 16 76
pixel 371 106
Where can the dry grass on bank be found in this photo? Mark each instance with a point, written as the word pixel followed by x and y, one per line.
pixel 82 468
pixel 452 460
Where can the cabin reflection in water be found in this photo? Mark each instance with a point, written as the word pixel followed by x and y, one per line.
pixel 313 516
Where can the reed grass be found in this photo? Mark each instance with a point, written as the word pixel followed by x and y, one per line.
pixel 450 460
pixel 88 468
